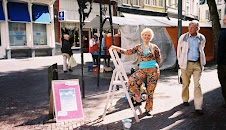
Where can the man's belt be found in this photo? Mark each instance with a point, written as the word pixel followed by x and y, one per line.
pixel 193 61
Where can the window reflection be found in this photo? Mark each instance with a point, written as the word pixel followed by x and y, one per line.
pixel 17 34
pixel 39 34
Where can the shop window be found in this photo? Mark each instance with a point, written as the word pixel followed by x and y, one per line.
pixel 161 2
pixel 148 2
pixel 207 15
pixel 72 31
pixel 169 3
pixel 39 34
pixel 136 2
pixel 126 2
pixel 154 2
pixel 17 34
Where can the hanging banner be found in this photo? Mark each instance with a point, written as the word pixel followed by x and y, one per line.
pixel 67 99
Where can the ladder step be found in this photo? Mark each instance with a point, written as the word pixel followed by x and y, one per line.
pixel 118 82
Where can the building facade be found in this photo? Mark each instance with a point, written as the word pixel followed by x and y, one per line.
pixel 190 9
pixel 169 8
pixel 26 28
pixel 69 21
pixel 142 7
pixel 204 11
pixel 155 5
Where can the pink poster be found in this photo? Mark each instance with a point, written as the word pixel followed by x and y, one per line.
pixel 67 100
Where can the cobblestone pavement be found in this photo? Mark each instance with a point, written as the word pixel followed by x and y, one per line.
pixel 24 99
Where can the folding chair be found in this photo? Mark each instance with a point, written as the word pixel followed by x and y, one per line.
pixel 119 77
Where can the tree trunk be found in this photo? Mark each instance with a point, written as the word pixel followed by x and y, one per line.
pixel 214 18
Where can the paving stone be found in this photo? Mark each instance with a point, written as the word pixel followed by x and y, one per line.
pixel 25 103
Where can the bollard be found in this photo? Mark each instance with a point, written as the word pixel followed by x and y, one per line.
pixel 52 75
pixel 55 72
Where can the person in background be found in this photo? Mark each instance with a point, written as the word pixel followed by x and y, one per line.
pixel 103 44
pixel 191 60
pixel 66 53
pixel 103 48
pixel 149 57
pixel 221 61
pixel 93 48
pixel 64 31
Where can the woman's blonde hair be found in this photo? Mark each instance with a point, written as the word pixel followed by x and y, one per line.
pixel 148 30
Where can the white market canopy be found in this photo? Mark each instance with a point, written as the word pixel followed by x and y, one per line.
pixel 130 27
pixel 133 19
pixel 170 22
pixel 119 21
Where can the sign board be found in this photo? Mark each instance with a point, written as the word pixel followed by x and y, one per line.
pixel 61 15
pixel 67 99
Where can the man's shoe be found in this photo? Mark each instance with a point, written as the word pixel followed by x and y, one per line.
pixel 135 103
pixel 146 113
pixel 70 70
pixel 200 112
pixel 65 71
pixel 185 103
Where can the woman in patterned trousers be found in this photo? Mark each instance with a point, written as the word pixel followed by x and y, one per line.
pixel 149 58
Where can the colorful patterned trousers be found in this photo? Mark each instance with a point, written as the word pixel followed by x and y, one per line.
pixel 151 76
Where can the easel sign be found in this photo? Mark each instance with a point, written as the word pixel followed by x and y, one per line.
pixel 67 100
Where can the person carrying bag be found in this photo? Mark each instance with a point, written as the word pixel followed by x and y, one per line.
pixel 72 62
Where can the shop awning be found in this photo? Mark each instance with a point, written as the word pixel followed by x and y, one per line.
pixel 18 12
pixel 41 14
pixel 2 15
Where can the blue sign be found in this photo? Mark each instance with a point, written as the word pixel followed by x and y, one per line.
pixel 61 15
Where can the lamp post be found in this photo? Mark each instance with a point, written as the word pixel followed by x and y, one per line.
pixel 83 15
pixel 179 27
pixel 101 35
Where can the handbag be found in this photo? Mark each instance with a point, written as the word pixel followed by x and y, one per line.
pixel 72 62
pixel 179 76
pixel 95 47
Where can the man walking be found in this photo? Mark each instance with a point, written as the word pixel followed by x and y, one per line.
pixel 191 60
pixel 66 52
pixel 221 61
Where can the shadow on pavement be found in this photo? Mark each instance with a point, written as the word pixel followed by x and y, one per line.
pixel 43 119
pixel 24 100
pixel 23 95
pixel 179 117
pixel 182 117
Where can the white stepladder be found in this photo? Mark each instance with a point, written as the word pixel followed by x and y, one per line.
pixel 119 77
